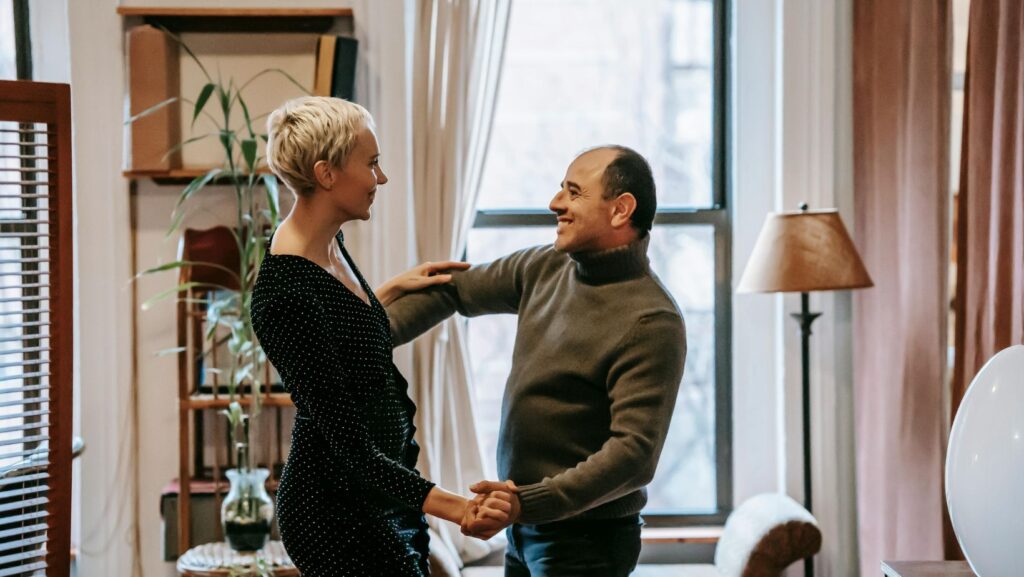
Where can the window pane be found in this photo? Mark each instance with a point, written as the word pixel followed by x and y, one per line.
pixel 8 59
pixel 683 257
pixel 581 73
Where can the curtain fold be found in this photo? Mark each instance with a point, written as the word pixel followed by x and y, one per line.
pixel 458 49
pixel 901 100
pixel 989 307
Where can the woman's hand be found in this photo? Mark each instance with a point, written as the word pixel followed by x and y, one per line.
pixel 418 278
pixel 495 507
pixel 487 515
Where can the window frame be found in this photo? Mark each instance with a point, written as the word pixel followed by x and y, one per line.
pixel 719 216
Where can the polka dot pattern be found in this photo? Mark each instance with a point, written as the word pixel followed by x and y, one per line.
pixel 350 499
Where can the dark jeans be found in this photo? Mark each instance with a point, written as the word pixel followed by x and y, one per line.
pixel 574 548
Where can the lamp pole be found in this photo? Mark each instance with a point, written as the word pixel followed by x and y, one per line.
pixel 805 317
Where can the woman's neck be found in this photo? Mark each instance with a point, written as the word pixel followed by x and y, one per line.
pixel 311 229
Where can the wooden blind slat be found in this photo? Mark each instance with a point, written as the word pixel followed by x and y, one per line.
pixel 22 477
pixel 33 401
pixel 4 352
pixel 25 427
pixel 20 530
pixel 26 453
pixel 23 569
pixel 4 560
pixel 25 363
pixel 23 338
pixel 12 519
pixel 22 505
pixel 35 490
pixel 23 440
pixel 25 415
pixel 22 376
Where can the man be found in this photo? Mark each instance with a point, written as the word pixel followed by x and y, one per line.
pixel 596 367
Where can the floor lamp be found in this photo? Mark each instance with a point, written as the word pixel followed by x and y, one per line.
pixel 804 251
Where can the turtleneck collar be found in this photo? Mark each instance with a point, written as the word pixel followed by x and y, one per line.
pixel 615 264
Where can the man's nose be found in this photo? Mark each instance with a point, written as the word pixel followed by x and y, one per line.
pixel 556 203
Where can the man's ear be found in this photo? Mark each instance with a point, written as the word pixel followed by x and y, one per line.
pixel 322 173
pixel 623 208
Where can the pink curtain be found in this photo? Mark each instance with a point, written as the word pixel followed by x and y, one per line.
pixel 901 101
pixel 990 219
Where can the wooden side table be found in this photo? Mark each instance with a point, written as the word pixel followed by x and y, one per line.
pixel 218 560
pixel 927 569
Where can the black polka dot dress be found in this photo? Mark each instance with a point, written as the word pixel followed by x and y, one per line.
pixel 350 498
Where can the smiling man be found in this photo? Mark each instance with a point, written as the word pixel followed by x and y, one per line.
pixel 598 359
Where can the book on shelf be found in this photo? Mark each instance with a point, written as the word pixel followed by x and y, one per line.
pixel 153 77
pixel 336 66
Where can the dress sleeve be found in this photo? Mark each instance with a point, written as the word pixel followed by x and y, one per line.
pixel 295 340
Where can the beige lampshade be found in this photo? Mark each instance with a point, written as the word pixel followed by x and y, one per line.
pixel 802 252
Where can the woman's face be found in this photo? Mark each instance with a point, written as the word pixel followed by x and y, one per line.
pixel 355 183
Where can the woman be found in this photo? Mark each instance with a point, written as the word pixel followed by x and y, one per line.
pixel 350 501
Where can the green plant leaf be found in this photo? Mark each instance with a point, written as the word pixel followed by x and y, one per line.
pixel 249 153
pixel 196 185
pixel 180 288
pixel 273 196
pixel 225 101
pixel 245 114
pixel 185 143
pixel 187 50
pixel 274 71
pixel 227 138
pixel 204 95
pixel 184 263
pixel 171 351
pixel 151 110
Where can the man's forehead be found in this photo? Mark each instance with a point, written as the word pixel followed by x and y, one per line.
pixel 593 162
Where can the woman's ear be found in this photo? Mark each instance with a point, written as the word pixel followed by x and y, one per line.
pixel 323 174
pixel 623 208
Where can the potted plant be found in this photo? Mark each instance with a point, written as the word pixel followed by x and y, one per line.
pixel 247 512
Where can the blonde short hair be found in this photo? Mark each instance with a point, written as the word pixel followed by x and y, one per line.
pixel 306 130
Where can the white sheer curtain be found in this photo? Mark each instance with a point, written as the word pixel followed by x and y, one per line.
pixel 458 47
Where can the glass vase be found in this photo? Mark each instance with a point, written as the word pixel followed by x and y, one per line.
pixel 247 512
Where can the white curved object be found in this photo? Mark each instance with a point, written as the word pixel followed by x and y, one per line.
pixel 985 468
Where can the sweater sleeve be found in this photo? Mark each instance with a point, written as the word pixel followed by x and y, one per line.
pixel 642 386
pixel 492 288
pixel 332 400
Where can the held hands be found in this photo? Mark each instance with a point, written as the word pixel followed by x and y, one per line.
pixel 418 278
pixel 495 507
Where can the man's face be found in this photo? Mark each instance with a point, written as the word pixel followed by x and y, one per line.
pixel 584 216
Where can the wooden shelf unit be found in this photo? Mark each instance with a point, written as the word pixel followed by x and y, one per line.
pixel 209 401
pixel 181 19
pixel 177 175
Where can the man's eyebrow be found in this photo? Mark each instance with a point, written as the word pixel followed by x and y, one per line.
pixel 571 184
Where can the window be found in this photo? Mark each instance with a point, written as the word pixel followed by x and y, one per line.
pixel 8 53
pixel 647 74
pixel 15 59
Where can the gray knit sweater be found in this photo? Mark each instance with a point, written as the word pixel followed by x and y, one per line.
pixel 598 358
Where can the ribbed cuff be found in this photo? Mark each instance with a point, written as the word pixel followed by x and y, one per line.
pixel 537 504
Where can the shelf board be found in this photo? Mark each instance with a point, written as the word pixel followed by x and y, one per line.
pixel 222 401
pixel 177 175
pixel 181 19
